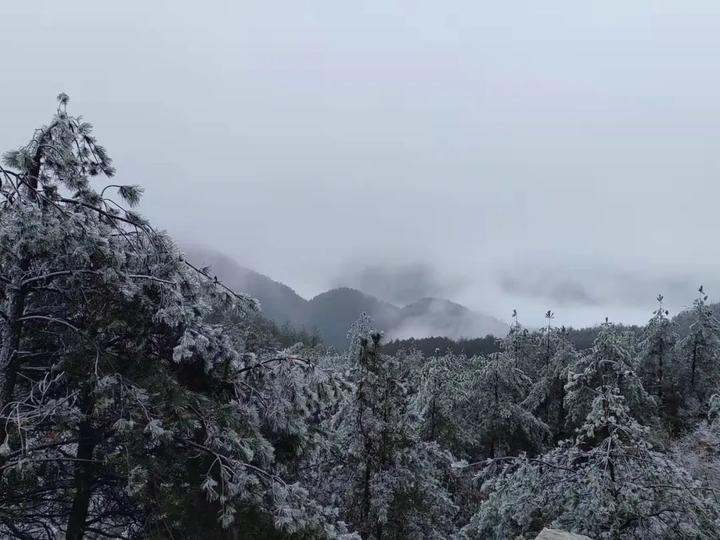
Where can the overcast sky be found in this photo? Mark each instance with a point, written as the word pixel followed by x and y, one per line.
pixel 530 154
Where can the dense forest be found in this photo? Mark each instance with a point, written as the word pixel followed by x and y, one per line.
pixel 142 398
pixel 581 339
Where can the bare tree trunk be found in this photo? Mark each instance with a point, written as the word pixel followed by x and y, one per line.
pixel 660 372
pixel 432 420
pixel 693 366
pixel 84 476
pixel 9 344
pixel 561 412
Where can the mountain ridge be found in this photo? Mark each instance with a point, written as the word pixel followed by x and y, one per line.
pixel 333 311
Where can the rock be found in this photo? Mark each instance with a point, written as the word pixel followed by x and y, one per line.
pixel 555 534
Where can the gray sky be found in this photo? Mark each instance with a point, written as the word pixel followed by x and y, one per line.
pixel 505 154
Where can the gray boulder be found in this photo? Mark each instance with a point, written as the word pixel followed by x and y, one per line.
pixel 555 534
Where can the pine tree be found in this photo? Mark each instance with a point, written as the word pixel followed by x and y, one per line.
pixel 530 350
pixel 657 348
pixel 439 383
pixel 123 406
pixel 656 363
pixel 490 406
pixel 699 450
pixel 699 352
pixel 387 482
pixel 609 364
pixel 546 398
pixel 610 484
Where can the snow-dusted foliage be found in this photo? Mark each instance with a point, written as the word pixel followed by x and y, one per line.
pixel 699 353
pixel 608 364
pixel 608 484
pixel 531 350
pixel 546 398
pixel 440 383
pixel 122 406
pixel 386 480
pixel 490 407
pixel 656 360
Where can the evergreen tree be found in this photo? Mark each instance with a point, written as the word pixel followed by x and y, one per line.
pixel 122 406
pixel 529 349
pixel 699 352
pixel 656 363
pixel 610 484
pixel 608 365
pixel 546 398
pixel 699 450
pixel 657 348
pixel 490 406
pixel 439 383
pixel 387 482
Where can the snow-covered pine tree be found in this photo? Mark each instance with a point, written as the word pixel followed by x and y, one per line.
pixel 489 405
pixel 546 398
pixel 656 350
pixel 531 350
pixel 122 406
pixel 438 383
pixel 656 363
pixel 699 450
pixel 387 482
pixel 609 484
pixel 608 364
pixel 699 353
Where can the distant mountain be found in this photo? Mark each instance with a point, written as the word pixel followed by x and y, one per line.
pixel 440 317
pixel 279 302
pixel 331 313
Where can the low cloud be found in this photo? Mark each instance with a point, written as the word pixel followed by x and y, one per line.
pixel 561 291
pixel 560 286
pixel 401 283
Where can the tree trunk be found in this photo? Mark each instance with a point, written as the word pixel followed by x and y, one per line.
pixel 660 372
pixel 432 420
pixel 692 367
pixel 561 413
pixel 9 344
pixel 84 476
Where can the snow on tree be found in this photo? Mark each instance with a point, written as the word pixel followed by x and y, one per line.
pixel 531 350
pixel 122 406
pixel 438 386
pixel 490 407
pixel 609 364
pixel 546 398
pixel 657 350
pixel 387 482
pixel 699 352
pixel 608 484
pixel 699 450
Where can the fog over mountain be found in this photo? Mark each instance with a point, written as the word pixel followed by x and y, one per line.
pixel 401 283
pixel 331 313
pixel 499 155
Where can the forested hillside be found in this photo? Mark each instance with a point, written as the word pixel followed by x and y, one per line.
pixel 141 397
pixel 581 339
pixel 330 313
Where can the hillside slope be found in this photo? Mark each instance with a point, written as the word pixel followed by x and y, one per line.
pixel 331 313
